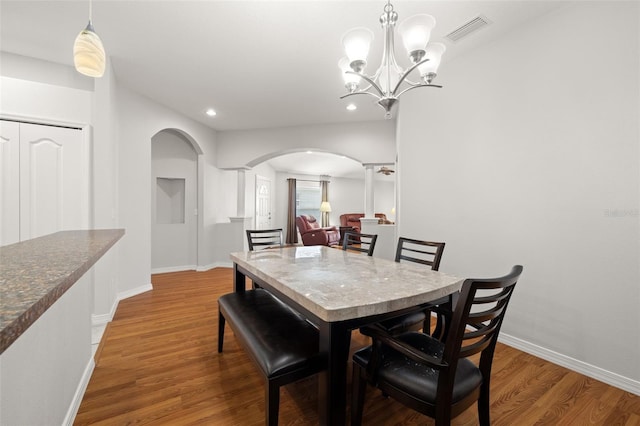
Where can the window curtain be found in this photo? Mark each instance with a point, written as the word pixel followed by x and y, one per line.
pixel 324 186
pixel 292 232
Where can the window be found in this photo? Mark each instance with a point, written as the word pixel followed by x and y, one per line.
pixel 308 198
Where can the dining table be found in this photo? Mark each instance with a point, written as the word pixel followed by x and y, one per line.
pixel 339 291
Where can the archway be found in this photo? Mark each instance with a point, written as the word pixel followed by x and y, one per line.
pixel 346 189
pixel 175 201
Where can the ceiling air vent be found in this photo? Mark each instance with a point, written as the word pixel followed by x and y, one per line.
pixel 464 30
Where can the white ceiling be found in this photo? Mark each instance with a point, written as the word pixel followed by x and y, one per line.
pixel 259 64
pixel 322 163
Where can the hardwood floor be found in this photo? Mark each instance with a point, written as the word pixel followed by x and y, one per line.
pixel 158 364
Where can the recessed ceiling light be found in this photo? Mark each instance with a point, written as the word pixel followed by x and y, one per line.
pixel 309 152
pixel 210 112
pixel 352 107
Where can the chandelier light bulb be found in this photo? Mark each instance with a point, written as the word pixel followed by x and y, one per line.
pixel 434 53
pixel 351 81
pixel 415 32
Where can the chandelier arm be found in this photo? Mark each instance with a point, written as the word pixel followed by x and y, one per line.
pixel 406 74
pixel 361 93
pixel 418 85
pixel 368 80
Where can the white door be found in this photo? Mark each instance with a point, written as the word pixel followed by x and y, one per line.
pixel 54 180
pixel 263 203
pixel 9 182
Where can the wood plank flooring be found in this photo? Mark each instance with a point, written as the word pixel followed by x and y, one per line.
pixel 158 364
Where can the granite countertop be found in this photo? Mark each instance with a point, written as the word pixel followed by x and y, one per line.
pixel 35 273
pixel 339 285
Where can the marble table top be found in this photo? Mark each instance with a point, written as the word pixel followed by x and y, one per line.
pixel 339 285
pixel 37 272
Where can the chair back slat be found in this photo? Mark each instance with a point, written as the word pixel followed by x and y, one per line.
pixel 363 243
pixel 264 238
pixel 475 325
pixel 418 251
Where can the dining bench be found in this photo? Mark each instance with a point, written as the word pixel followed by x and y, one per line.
pixel 280 341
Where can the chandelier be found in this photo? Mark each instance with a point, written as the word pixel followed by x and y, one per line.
pixel 390 81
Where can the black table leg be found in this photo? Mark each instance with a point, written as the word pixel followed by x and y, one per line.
pixel 335 339
pixel 239 280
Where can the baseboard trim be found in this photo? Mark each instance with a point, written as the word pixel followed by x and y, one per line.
pixel 578 366
pixel 102 319
pixel 77 397
pixel 174 269
pixel 134 291
pixel 215 265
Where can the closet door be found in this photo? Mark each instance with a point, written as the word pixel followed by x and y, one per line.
pixel 54 180
pixel 9 182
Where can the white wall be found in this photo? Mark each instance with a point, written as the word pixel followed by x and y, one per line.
pixel 367 142
pixel 52 360
pixel 105 196
pixel 139 119
pixel 534 146
pixel 346 196
pixel 41 371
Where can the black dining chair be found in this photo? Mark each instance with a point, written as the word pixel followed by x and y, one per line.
pixel 433 377
pixel 428 253
pixel 264 238
pixel 363 243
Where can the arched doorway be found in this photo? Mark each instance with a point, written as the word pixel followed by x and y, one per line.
pixel 174 202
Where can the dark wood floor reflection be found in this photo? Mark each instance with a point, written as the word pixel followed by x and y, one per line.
pixel 158 364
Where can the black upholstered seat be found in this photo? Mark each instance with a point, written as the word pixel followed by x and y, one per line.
pixel 415 377
pixel 282 339
pixel 279 340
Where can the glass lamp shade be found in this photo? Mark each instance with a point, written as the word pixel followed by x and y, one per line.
pixel 343 64
pixel 88 53
pixel 416 31
pixel 325 207
pixel 434 53
pixel 356 43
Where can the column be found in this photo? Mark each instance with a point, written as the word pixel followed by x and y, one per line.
pixel 368 192
pixel 241 193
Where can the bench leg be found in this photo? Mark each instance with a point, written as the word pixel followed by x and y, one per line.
pixel 221 322
pixel 272 403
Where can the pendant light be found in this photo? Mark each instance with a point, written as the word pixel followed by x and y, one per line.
pixel 88 53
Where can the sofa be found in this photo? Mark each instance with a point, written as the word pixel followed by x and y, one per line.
pixel 353 220
pixel 314 235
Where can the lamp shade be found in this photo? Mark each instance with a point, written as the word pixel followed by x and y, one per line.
pixel 434 53
pixel 356 43
pixel 343 64
pixel 416 31
pixel 88 53
pixel 325 207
